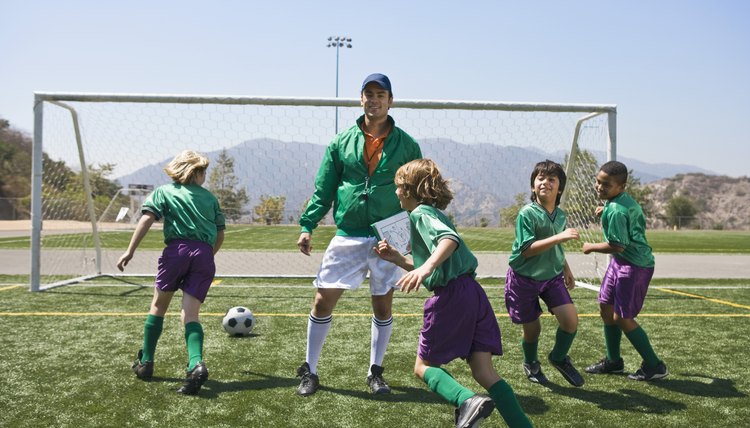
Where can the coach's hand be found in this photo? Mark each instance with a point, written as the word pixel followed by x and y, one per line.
pixel 305 243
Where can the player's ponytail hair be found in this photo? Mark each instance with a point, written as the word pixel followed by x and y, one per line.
pixel 420 179
pixel 183 167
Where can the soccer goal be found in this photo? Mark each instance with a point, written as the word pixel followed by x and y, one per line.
pixel 97 156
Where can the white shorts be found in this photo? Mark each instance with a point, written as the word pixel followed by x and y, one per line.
pixel 347 261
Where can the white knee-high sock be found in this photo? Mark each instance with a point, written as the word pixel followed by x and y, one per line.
pixel 381 335
pixel 317 331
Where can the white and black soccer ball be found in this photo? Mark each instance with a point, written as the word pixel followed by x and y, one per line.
pixel 239 321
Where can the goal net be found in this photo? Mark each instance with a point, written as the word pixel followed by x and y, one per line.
pixel 97 156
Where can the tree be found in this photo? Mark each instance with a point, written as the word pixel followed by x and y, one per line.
pixel 64 196
pixel 15 172
pixel 680 211
pixel 509 214
pixel 223 182
pixel 270 210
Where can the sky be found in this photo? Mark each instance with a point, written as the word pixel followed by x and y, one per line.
pixel 678 71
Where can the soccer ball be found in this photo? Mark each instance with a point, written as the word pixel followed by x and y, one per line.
pixel 239 321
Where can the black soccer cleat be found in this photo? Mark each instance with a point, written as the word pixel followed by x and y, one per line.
pixel 606 366
pixel 144 370
pixel 473 411
pixel 565 367
pixel 310 382
pixel 645 373
pixel 533 372
pixel 195 379
pixel 376 382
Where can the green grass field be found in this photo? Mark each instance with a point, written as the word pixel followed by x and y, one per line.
pixel 263 238
pixel 66 356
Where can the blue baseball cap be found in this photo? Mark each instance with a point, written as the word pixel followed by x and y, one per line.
pixel 381 79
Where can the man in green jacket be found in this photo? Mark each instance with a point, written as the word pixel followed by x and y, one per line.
pixel 356 178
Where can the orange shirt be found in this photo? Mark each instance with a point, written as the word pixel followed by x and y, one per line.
pixel 374 149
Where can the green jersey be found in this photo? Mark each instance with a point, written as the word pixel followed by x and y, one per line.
pixel 344 181
pixel 534 223
pixel 189 212
pixel 624 225
pixel 430 226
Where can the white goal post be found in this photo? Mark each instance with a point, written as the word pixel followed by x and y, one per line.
pixel 96 156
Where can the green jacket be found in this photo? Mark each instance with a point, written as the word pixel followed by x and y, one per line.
pixel 343 181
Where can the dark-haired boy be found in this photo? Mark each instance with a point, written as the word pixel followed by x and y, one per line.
pixel 626 281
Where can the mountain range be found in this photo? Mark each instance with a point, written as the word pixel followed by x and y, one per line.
pixel 484 177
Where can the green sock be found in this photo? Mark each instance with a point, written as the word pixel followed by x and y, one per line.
pixel 563 341
pixel 640 341
pixel 507 404
pixel 194 341
pixel 612 338
pixel 442 383
pixel 530 351
pixel 151 332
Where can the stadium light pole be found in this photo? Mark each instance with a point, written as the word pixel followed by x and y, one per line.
pixel 338 42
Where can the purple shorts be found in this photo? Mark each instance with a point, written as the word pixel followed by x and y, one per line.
pixel 625 286
pixel 458 320
pixel 187 265
pixel 522 296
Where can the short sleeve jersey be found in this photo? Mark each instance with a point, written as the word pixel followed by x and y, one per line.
pixel 429 227
pixel 189 212
pixel 624 225
pixel 535 223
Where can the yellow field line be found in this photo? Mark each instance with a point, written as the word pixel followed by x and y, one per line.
pixel 723 302
pixel 10 287
pixel 221 314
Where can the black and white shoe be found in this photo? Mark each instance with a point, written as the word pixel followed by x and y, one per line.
pixel 565 367
pixel 473 411
pixel 309 383
pixel 606 366
pixel 533 372
pixel 645 373
pixel 194 380
pixel 376 382
pixel 143 369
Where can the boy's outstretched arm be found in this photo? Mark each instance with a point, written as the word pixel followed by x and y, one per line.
pixel 144 224
pixel 413 279
pixel 601 247
pixel 542 245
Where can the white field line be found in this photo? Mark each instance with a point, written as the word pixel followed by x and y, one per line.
pixel 489 287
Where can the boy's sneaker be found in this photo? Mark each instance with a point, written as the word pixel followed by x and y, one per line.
pixel 195 379
pixel 565 367
pixel 644 373
pixel 473 411
pixel 144 370
pixel 376 382
pixel 606 366
pixel 533 371
pixel 309 383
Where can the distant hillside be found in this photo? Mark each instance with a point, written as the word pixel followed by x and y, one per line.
pixel 722 202
pixel 485 177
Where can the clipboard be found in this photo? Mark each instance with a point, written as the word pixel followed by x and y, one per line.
pixel 395 229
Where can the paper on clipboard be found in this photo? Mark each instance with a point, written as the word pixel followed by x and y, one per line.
pixel 395 229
